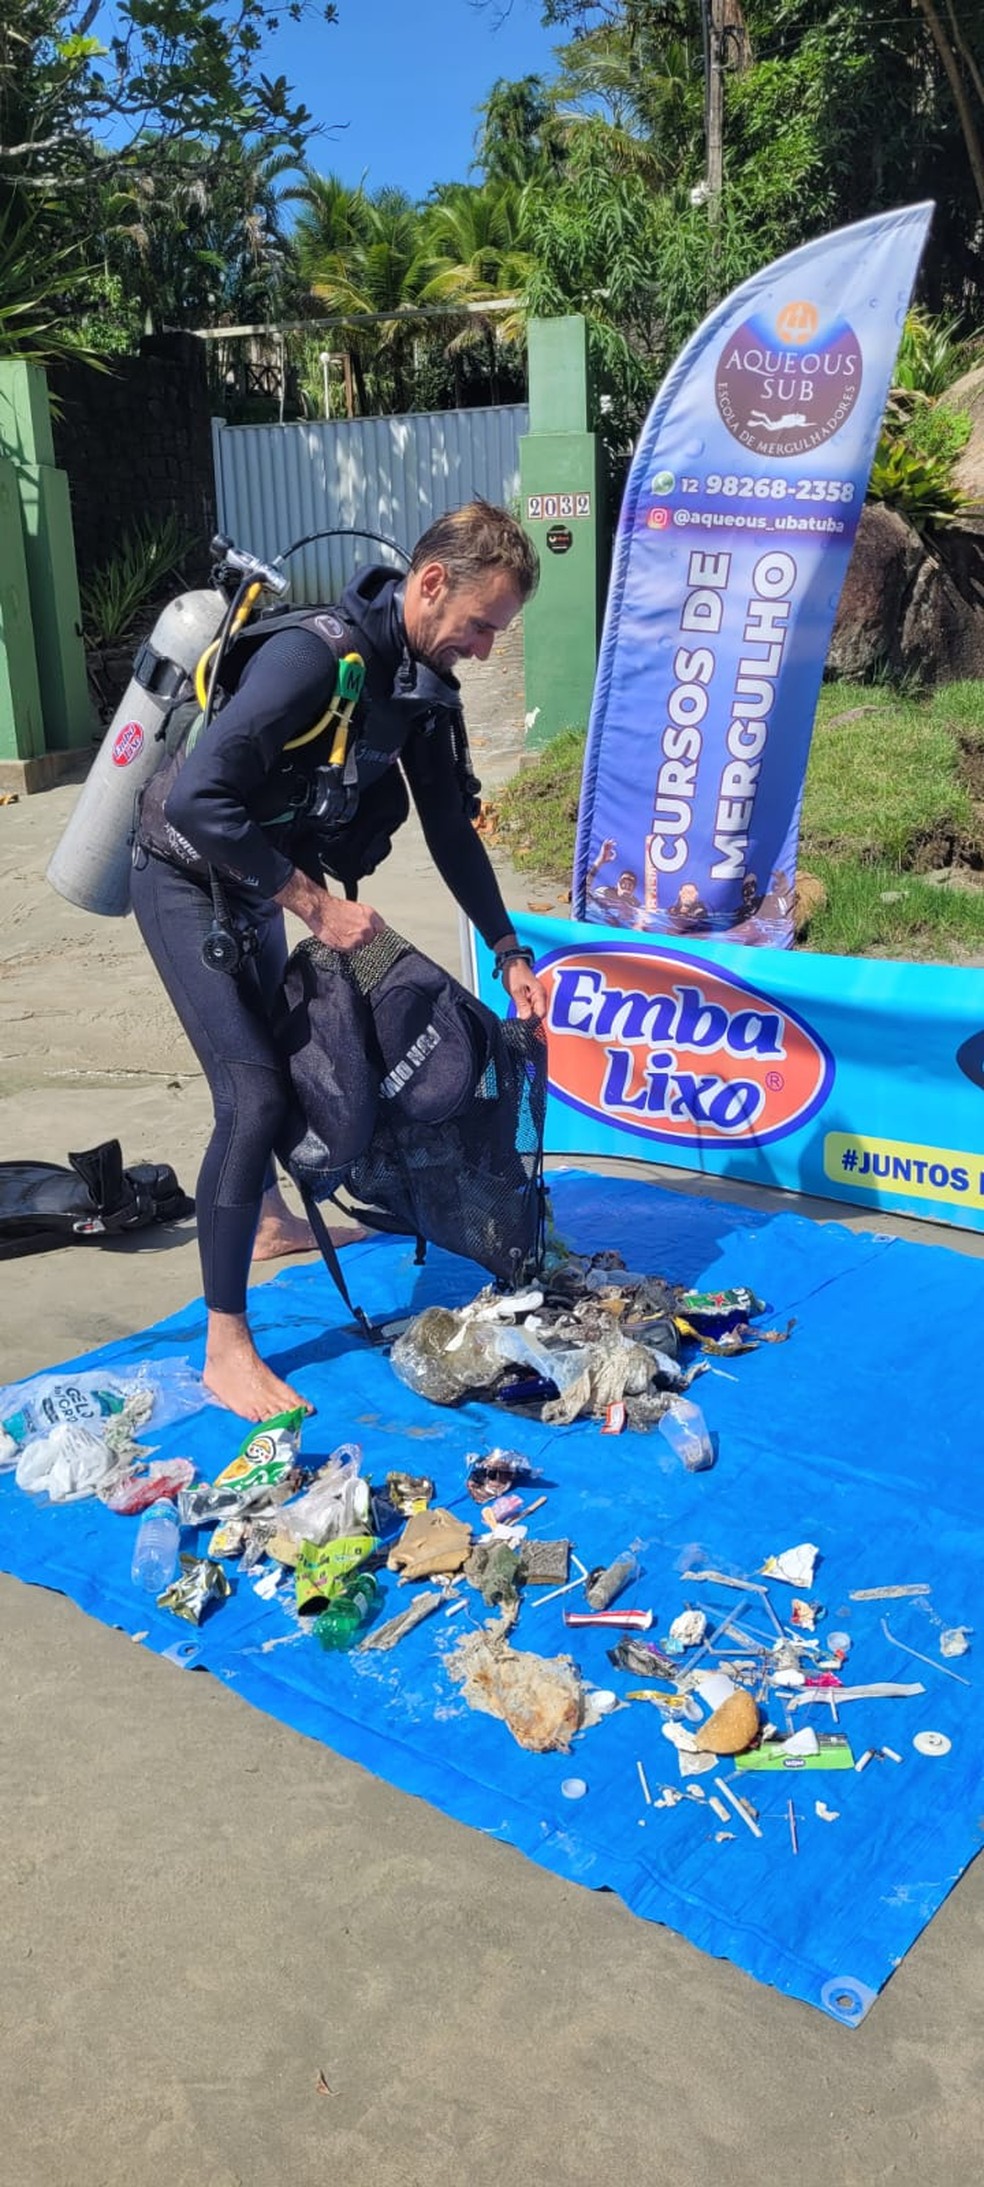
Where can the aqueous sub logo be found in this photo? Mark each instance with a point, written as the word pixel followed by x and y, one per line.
pixel 674 1048
pixel 787 385
pixel 127 744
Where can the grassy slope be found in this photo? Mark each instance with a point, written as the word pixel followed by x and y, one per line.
pixel 889 795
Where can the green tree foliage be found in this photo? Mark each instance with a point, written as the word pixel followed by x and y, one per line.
pixel 129 130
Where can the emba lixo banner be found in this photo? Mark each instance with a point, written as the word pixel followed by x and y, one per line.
pixel 733 543
pixel 851 1078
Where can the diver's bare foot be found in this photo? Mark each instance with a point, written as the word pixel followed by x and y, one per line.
pixel 280 1232
pixel 278 1235
pixel 239 1378
pixel 294 1235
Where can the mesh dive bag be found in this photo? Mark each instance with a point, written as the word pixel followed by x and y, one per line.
pixel 447 1144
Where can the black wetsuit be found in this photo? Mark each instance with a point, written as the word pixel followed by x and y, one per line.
pixel 238 803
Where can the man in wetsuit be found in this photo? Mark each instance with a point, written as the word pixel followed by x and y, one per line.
pixel 244 803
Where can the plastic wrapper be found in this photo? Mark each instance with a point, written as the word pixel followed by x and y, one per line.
pixel 66 1464
pixel 323 1567
pixel 206 1505
pixel 202 1582
pixel 643 1660
pixel 496 1472
pixel 266 1457
pixel 607 1371
pixel 135 1491
pixel 714 1311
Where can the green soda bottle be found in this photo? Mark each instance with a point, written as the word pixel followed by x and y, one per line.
pixel 339 1623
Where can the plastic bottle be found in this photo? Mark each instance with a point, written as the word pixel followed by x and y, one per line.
pixel 338 1624
pixel 603 1586
pixel 155 1551
pixel 684 1428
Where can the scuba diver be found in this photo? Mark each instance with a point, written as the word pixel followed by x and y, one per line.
pixel 248 821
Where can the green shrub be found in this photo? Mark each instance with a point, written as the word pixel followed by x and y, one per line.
pixel 113 598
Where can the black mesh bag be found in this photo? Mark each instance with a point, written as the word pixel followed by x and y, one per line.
pixel 452 1150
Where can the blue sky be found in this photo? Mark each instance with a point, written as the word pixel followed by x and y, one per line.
pixel 407 76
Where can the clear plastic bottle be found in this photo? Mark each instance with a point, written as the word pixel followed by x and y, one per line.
pixel 339 1623
pixel 684 1428
pixel 603 1586
pixel 155 1551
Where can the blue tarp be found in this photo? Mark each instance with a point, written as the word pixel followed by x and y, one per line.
pixel 861 1434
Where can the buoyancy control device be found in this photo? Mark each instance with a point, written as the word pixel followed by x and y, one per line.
pixel 90 866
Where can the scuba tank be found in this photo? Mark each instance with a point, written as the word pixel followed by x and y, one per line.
pixel 91 863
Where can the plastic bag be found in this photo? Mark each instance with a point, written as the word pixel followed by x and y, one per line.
pixel 142 1486
pixel 443 1355
pixel 90 1395
pixel 336 1504
pixel 440 1356
pixel 65 1465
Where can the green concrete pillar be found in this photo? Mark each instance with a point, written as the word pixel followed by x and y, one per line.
pixel 49 550
pixel 21 719
pixel 560 484
pixel 49 547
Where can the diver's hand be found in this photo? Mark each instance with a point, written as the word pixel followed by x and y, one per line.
pixel 524 989
pixel 340 925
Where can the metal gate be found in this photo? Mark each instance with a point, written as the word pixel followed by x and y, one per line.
pixel 276 483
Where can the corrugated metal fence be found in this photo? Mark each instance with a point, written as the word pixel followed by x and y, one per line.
pixel 276 483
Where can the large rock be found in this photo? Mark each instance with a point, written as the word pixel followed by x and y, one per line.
pixel 910 605
pixel 967 394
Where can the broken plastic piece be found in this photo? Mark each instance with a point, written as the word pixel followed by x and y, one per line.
pixel 396 1628
pixel 689 1629
pixel 932 1742
pixel 955 1640
pixel 795 1567
pixel 889 1594
pixel 826 1814
pixel 739 1806
pixel 920 1658
pixel 431 1542
pixel 637 1621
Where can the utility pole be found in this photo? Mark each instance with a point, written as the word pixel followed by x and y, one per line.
pixel 714 34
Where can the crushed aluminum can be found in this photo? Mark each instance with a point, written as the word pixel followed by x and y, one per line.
pixel 409 1492
pixel 202 1581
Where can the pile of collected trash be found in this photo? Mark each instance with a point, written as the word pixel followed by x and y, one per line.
pixel 736 1683
pixel 594 1340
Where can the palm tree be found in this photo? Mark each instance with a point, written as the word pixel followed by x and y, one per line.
pixel 473 253
pixel 520 136
pixel 359 253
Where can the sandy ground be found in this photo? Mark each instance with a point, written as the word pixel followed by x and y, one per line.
pixel 205 1914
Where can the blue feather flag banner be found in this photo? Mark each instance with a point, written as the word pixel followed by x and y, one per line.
pixel 734 537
